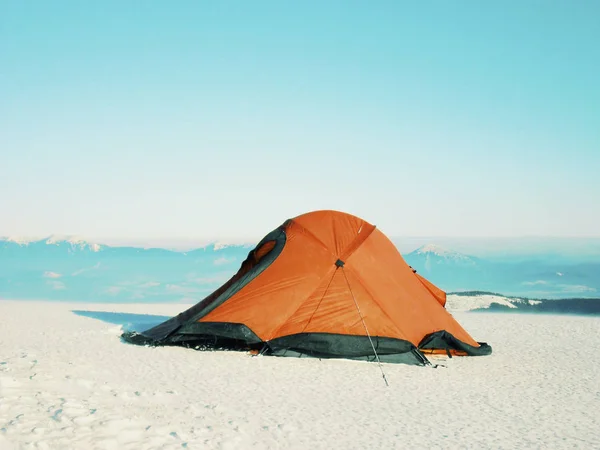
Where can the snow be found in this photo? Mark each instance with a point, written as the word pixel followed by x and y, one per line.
pixel 54 240
pixel 468 303
pixel 20 240
pixel 67 381
pixel 221 245
pixel 74 241
pixel 432 249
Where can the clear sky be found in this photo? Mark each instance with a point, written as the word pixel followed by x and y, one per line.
pixel 192 119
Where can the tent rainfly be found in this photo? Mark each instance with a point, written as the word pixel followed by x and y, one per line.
pixel 324 284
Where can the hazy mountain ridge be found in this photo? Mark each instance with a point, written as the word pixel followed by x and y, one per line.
pixel 532 277
pixel 71 268
pixel 60 269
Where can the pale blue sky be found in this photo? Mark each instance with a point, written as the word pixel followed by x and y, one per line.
pixel 195 119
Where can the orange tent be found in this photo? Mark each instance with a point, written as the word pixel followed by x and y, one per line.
pixel 324 284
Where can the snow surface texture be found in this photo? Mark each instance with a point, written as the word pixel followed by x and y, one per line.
pixel 67 381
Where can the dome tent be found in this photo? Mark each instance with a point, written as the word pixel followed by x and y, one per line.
pixel 324 284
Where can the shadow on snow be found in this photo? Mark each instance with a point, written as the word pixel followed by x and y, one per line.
pixel 129 322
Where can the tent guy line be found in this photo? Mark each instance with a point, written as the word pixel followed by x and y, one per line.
pixel 363 322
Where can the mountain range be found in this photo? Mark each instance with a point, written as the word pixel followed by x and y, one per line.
pixel 73 269
pixel 68 268
pixel 533 277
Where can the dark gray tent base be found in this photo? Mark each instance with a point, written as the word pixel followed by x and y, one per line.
pixel 227 336
pixel 444 340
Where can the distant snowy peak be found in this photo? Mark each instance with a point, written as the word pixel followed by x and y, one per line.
pixel 221 245
pixel 435 249
pixel 19 240
pixel 74 241
pixel 440 252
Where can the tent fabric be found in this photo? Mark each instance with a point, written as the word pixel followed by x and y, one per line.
pixel 439 295
pixel 319 285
